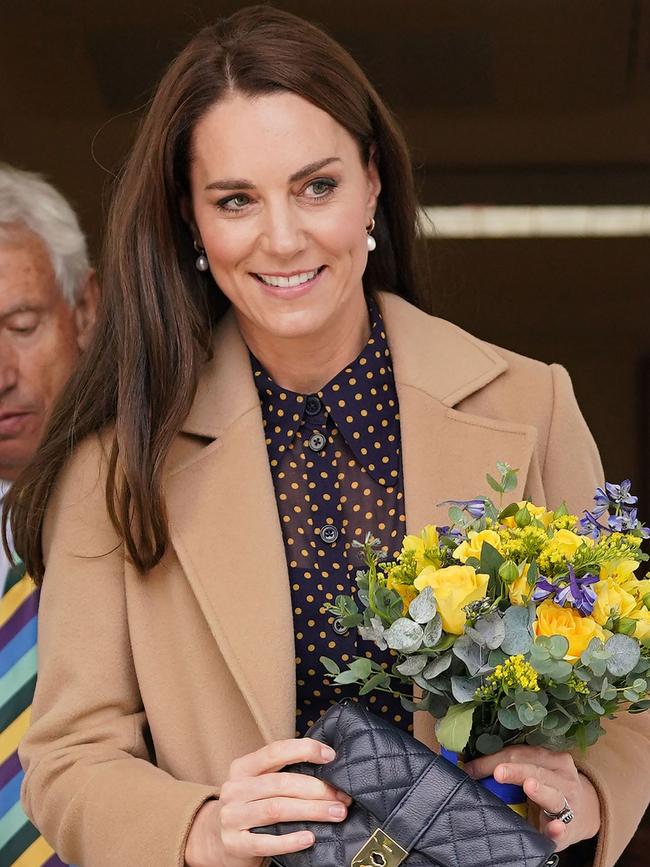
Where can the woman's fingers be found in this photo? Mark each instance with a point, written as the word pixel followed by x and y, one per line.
pixel 268 845
pixel 242 817
pixel 286 785
pixel 486 765
pixel 274 756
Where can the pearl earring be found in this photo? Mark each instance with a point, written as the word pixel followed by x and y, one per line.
pixel 372 243
pixel 201 263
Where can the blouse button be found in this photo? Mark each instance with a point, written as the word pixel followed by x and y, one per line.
pixel 317 442
pixel 312 405
pixel 339 628
pixel 329 533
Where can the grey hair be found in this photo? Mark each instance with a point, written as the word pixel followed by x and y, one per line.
pixel 27 200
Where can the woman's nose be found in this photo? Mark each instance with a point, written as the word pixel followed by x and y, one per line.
pixel 283 234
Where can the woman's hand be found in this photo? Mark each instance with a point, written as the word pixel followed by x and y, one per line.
pixel 548 778
pixel 256 794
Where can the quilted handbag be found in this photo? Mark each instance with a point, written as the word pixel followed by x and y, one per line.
pixel 409 805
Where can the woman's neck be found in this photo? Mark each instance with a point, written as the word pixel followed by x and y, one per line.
pixel 305 364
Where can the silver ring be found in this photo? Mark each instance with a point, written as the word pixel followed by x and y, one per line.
pixel 564 815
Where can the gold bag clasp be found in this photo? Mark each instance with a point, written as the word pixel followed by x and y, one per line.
pixel 380 850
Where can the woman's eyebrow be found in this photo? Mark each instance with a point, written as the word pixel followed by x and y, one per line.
pixel 242 184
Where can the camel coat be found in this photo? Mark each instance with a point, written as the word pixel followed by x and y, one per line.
pixel 150 686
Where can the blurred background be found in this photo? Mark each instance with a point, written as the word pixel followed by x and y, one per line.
pixel 529 125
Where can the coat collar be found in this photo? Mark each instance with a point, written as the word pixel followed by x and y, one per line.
pixel 430 354
pixel 221 502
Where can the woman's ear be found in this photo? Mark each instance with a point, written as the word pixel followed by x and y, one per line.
pixel 374 181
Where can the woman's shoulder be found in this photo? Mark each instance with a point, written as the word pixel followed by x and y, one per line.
pixel 467 368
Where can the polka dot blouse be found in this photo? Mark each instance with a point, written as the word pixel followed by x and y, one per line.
pixel 336 466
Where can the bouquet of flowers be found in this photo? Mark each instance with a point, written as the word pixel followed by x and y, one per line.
pixel 515 623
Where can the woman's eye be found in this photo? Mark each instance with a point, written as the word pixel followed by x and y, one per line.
pixel 233 203
pixel 322 187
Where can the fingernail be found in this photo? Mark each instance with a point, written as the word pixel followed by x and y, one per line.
pixel 307 838
pixel 343 796
pixel 327 753
pixel 501 774
pixel 337 810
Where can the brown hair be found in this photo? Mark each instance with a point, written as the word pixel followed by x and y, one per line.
pixel 155 323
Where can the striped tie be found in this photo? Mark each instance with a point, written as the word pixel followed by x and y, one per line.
pixel 20 843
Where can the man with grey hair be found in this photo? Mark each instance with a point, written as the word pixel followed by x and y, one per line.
pixel 48 303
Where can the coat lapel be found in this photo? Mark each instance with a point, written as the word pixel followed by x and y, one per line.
pixel 226 532
pixel 223 515
pixel 446 453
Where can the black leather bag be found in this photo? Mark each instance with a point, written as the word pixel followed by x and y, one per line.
pixel 409 805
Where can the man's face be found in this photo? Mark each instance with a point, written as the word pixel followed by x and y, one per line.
pixel 38 347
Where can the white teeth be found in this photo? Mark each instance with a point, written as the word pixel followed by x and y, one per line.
pixel 296 280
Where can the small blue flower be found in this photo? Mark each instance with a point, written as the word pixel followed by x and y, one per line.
pixel 577 592
pixel 620 494
pixel 589 526
pixel 475 507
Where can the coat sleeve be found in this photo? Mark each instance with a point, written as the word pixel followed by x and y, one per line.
pixel 90 785
pixel 618 765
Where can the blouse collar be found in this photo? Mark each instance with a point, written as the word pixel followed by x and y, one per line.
pixel 361 400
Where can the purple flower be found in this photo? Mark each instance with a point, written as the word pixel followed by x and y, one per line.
pixel 476 507
pixel 577 592
pixel 589 526
pixel 620 494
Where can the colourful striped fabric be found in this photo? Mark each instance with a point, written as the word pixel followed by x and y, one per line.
pixel 20 843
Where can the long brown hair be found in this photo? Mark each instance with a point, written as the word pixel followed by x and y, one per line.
pixel 154 330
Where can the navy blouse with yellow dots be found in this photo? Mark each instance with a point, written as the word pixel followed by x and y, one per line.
pixel 336 466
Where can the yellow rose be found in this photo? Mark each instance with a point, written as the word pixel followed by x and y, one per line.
pixel 610 595
pixel 567 543
pixel 472 548
pixel 519 590
pixel 538 512
pixel 454 587
pixel 552 619
pixel 638 589
pixel 406 591
pixel 642 617
pixel 621 571
pixel 426 541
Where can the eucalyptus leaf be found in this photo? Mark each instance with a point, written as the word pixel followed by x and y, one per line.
pixel 489 744
pixel 561 691
pixel 437 666
pixel 531 713
pixel 412 665
pixel 346 677
pixel 470 653
pixel 375 632
pixel 463 688
pixel 624 654
pixel 454 729
pixel 404 635
pixel 423 607
pixel 558 646
pixel 489 631
pixel 361 667
pixel 432 632
pixel 509 718
pixel 376 680
pixel 595 705
pixel 631 695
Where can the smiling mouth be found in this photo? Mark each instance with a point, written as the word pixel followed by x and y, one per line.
pixel 289 282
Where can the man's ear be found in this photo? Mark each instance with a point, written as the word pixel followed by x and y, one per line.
pixel 85 310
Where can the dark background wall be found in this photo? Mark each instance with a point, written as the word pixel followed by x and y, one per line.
pixel 503 102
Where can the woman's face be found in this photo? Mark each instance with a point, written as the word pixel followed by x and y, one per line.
pixel 280 201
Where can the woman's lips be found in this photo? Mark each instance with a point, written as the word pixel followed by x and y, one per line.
pixel 291 291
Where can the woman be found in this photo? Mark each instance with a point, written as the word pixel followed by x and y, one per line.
pixel 260 392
